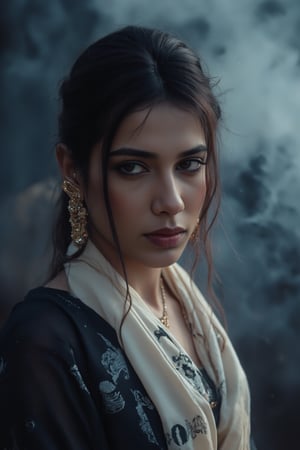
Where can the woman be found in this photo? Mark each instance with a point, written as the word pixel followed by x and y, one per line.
pixel 120 350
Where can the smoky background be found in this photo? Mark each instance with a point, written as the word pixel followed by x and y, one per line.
pixel 253 48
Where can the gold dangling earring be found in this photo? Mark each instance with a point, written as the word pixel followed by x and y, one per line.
pixel 195 234
pixel 77 211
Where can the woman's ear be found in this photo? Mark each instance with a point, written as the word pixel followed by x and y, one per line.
pixel 65 161
pixel 66 164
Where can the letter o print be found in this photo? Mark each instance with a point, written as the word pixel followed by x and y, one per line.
pixel 179 434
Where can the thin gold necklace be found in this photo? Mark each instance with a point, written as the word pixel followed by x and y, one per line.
pixel 164 318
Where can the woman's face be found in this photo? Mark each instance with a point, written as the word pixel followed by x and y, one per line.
pixel 156 182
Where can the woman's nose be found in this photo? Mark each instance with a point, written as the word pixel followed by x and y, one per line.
pixel 167 198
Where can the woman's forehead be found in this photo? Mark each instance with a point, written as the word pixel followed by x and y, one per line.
pixel 156 123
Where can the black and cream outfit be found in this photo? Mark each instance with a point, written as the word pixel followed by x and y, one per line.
pixel 67 383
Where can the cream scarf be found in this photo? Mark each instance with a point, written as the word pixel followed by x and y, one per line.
pixel 186 415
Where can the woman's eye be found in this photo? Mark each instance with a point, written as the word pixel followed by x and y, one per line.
pixel 191 165
pixel 131 168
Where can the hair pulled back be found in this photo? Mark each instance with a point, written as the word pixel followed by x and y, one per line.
pixel 127 70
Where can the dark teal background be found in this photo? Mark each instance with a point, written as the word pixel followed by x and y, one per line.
pixel 253 48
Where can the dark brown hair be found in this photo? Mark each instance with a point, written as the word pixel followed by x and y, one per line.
pixel 130 69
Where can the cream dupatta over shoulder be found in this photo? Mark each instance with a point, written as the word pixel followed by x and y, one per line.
pixel 186 415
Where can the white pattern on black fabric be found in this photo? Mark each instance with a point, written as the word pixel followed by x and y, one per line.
pixel 77 375
pixel 113 399
pixel 142 403
pixel 113 361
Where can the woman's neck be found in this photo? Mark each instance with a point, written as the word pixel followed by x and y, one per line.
pixel 144 280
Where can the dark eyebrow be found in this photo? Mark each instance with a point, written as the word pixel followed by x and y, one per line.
pixel 127 151
pixel 194 151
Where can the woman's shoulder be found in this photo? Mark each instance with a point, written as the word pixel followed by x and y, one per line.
pixel 40 316
pixel 49 317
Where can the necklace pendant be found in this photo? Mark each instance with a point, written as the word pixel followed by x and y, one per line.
pixel 165 321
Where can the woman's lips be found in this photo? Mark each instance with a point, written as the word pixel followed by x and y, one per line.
pixel 166 237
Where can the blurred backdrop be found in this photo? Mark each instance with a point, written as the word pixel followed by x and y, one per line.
pixel 253 48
